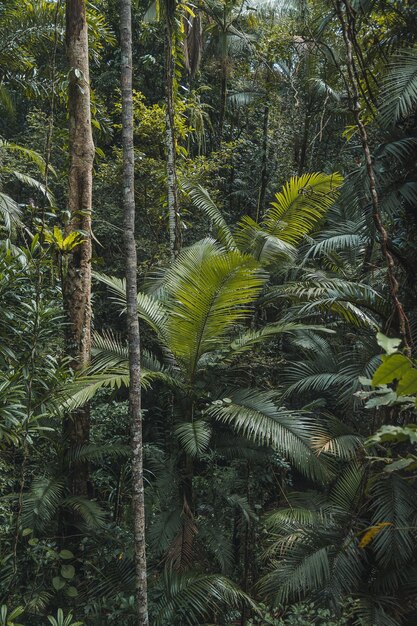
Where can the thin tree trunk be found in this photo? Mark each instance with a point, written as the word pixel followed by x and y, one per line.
pixel 135 409
pixel 175 239
pixel 264 169
pixel 77 285
pixel 304 142
pixel 223 101
pixel 347 18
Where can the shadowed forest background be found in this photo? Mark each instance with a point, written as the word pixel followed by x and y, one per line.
pixel 250 195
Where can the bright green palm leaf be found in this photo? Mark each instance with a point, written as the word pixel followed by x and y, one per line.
pixel 209 290
pixel 300 205
pixel 264 246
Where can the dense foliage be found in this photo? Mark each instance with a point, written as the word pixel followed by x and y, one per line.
pixel 276 226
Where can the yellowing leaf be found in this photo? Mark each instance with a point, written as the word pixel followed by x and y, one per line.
pixel 371 533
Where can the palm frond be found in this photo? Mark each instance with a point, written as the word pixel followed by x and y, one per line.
pixel 300 205
pixel 399 94
pixel 202 200
pixel 393 502
pixel 10 211
pixel 41 502
pixel 209 290
pixel 264 246
pixel 149 309
pixel 338 441
pixel 348 488
pixel 252 338
pixel 194 437
pixel 255 415
pixel 26 153
pixel 29 181
pixel 90 511
pixel 194 597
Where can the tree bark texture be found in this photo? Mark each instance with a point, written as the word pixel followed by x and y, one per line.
pixel 77 284
pixel 135 408
pixel 175 238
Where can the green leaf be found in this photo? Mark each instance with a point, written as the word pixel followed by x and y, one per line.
pixel 302 202
pixel 389 397
pixel 66 554
pixel 400 464
pixel 58 583
pixel 393 367
pixel 27 531
pixel 408 383
pixel 389 344
pixel 71 592
pixel 194 436
pixel 68 571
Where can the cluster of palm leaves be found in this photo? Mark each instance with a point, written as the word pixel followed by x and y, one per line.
pixel 258 287
pixel 258 338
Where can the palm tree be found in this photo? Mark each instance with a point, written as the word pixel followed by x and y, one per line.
pixel 356 541
pixel 198 310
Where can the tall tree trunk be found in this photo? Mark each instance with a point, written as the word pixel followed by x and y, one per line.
pixel 347 17
pixel 264 169
pixel 223 100
pixel 77 286
pixel 135 409
pixel 175 239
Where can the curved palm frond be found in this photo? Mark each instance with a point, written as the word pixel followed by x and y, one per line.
pixel 194 437
pixel 10 211
pixel 193 597
pixel 393 503
pixel 202 200
pixel 316 289
pixel 252 338
pixel 41 502
pixel 89 511
pixel 149 309
pixel 300 205
pixel 338 441
pixel 255 415
pixel 209 290
pixel 399 94
pixel 263 246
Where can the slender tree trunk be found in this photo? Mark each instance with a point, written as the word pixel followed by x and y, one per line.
pixel 304 141
pixel 264 169
pixel 135 409
pixel 347 15
pixel 77 285
pixel 175 239
pixel 223 100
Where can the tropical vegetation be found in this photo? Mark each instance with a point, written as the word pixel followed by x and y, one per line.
pixel 208 313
